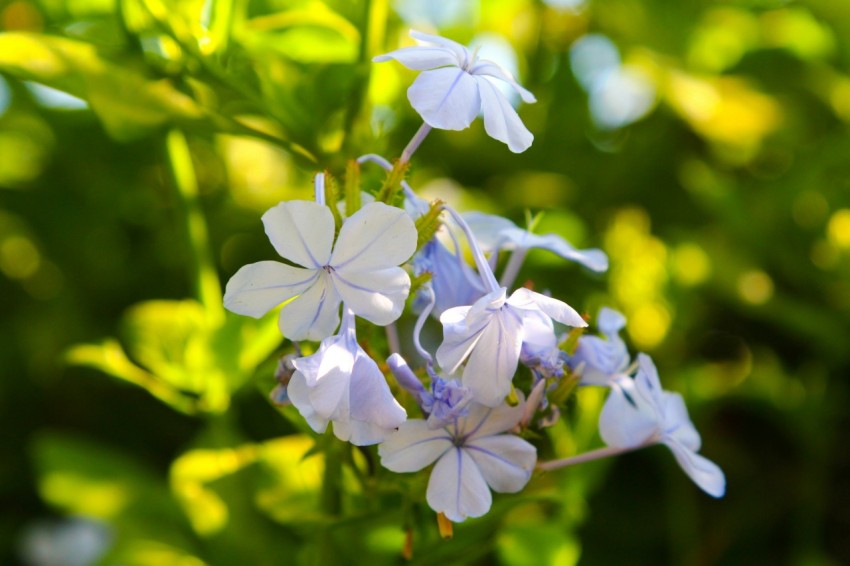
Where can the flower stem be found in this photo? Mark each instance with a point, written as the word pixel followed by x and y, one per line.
pixel 319 187
pixel 420 322
pixel 413 145
pixel 207 287
pixel 513 267
pixel 393 342
pixel 597 454
pixel 484 270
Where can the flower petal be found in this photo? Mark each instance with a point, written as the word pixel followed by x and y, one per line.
pixel 506 461
pixel 257 288
pixel 378 296
pixel 375 237
pixel 493 362
pixel 705 473
pixel 461 53
pixel 489 229
pixel 301 231
pixel 593 259
pixel 462 328
pixel 491 69
pixel 420 58
pixel 558 311
pixel 456 487
pixel 677 422
pixel 314 314
pixel 446 98
pixel 371 400
pixel 626 420
pixel 486 421
pixel 299 394
pixel 500 119
pixel 413 446
pixel 330 394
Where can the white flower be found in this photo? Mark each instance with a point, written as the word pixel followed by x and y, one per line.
pixel 495 233
pixel 638 412
pixel 361 269
pixel 341 384
pixel 489 335
pixel 455 86
pixel 473 457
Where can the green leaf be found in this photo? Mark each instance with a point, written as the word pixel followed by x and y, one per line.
pixel 129 104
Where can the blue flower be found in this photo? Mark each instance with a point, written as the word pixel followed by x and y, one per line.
pixel 598 361
pixel 360 269
pixel 472 455
pixel 639 413
pixel 341 384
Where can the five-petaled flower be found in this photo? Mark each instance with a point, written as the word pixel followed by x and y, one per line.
pixel 473 456
pixel 638 413
pixel 361 269
pixel 455 86
pixel 489 335
pixel 341 384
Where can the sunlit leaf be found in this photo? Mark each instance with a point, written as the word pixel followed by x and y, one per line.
pixel 289 491
pixel 191 472
pixel 128 103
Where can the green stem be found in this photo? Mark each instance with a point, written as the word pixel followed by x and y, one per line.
pixel 205 277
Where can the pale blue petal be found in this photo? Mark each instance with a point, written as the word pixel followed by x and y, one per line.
pixel 371 399
pixel 648 385
pixel 378 296
pixel 330 393
pixel 413 446
pixel 626 420
pixel 458 338
pixel 610 322
pixel 420 58
pixel 257 288
pixel 705 473
pixel 558 311
pixel 500 119
pixel 453 281
pixel 461 53
pixel 299 394
pixel 491 69
pixel 493 361
pixel 677 422
pixel 506 461
pixel 462 328
pixel 446 98
pixel 489 230
pixel 456 487
pixel 301 231
pixel 593 259
pixel 485 421
pixel 538 334
pixel 314 314
pixel 375 237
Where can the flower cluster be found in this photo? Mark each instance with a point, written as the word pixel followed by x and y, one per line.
pixel 356 259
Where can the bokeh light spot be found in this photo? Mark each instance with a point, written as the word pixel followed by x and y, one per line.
pixel 19 258
pixel 755 287
pixel 838 230
pixel 691 265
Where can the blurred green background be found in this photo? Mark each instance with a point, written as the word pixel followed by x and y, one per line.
pixel 703 144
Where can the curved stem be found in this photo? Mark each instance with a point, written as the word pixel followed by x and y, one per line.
pixel 513 267
pixel 413 145
pixel 597 454
pixel 420 322
pixel 484 270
